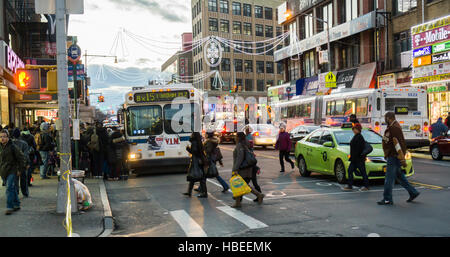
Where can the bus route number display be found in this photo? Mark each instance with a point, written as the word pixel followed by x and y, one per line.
pixel 149 97
pixel 401 110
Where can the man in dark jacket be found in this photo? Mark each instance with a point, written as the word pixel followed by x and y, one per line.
pixel 25 149
pixel 29 138
pixel 447 121
pixel 283 144
pixel 45 146
pixel 394 148
pixel 357 160
pixel 438 129
pixel 12 161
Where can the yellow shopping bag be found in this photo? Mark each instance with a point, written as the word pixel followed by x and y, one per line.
pixel 238 186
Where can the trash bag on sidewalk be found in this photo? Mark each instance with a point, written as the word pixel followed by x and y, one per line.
pixel 83 195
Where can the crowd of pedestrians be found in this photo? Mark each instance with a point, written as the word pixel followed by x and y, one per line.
pixel 102 154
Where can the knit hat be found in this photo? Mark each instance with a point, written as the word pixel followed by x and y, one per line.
pixel 357 126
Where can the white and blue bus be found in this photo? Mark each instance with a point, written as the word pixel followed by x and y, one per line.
pixel 158 122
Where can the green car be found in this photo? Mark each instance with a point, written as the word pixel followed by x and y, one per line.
pixel 327 151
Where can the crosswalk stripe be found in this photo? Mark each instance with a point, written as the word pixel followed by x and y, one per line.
pixel 189 226
pixel 250 222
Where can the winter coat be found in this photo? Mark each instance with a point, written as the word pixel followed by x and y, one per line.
pixel 46 143
pixel 209 146
pixel 196 165
pixel 23 147
pixel 393 130
pixel 119 145
pixel 356 148
pixel 238 158
pixel 283 142
pixel 437 129
pixel 12 160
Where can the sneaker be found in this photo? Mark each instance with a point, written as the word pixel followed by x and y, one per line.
pixel 8 212
pixel 281 171
pixel 187 194
pixel 256 200
pixel 384 202
pixel 348 188
pixel 364 189
pixel 412 197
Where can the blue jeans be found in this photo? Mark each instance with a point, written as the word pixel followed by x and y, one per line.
pixel 361 166
pixel 44 168
pixel 12 196
pixel 222 182
pixel 394 172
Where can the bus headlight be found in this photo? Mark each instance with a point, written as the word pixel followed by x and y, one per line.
pixel 408 156
pixel 134 156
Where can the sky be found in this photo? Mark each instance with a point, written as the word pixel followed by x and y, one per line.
pixel 104 29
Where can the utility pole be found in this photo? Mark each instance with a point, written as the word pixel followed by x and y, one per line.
pixel 63 104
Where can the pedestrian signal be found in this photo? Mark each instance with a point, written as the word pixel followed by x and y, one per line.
pixel 101 99
pixel 27 79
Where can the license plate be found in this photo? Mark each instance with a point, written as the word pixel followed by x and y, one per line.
pixel 159 153
pixel 384 169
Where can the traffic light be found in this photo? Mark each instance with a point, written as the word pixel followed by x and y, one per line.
pixel 101 99
pixel 52 82
pixel 233 89
pixel 28 79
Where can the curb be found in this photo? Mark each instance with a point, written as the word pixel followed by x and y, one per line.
pixel 108 220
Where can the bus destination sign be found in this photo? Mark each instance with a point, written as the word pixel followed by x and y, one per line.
pixel 401 110
pixel 149 97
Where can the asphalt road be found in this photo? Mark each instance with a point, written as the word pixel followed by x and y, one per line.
pixel 294 206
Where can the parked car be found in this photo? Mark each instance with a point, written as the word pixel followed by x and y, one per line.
pixel 440 146
pixel 263 134
pixel 299 132
pixel 226 133
pixel 327 151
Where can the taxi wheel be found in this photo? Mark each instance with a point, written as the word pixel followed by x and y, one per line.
pixel 339 172
pixel 436 154
pixel 302 167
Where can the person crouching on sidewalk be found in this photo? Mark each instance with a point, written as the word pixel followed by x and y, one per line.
pixel 357 160
pixel 12 161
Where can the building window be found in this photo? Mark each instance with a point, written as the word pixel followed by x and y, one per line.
pixel 258 12
pixel 351 10
pixel 268 13
pixel 402 6
pixel 238 65
pixel 292 31
pixel 213 26
pixel 269 83
pixel 259 30
pixel 308 25
pixel 294 70
pixel 236 8
pixel 260 85
pixel 259 67
pixel 269 67
pixel 248 85
pixel 402 43
pixel 224 26
pixel 247 10
pixel 280 67
pixel 238 46
pixel 248 47
pixel 309 64
pixel 237 27
pixel 226 48
pixel 279 31
pixel 247 29
pixel 224 6
pixel 212 5
pixel 259 48
pixel 269 50
pixel 239 84
pixel 326 14
pixel 349 53
pixel 269 31
pixel 248 66
pixel 225 65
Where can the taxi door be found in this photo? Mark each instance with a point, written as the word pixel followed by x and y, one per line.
pixel 311 146
pixel 323 153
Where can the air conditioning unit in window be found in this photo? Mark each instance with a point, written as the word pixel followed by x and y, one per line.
pixel 405 58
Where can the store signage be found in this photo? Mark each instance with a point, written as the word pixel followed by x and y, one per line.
pixel 13 62
pixel 436 88
pixel 431 70
pixel 437 23
pixel 345 78
pixel 441 47
pixel 311 85
pixel 444 57
pixel 422 51
pixel 387 81
pixel 45 97
pixel 47 113
pixel 432 78
pixel 352 27
pixel 424 60
pixel 431 37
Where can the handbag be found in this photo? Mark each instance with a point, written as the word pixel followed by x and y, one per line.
pixel 195 173
pixel 249 160
pixel 212 171
pixel 238 186
pixel 367 149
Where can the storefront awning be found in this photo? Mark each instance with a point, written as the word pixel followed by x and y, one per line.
pixel 365 77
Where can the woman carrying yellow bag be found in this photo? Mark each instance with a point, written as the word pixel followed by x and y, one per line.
pixel 241 176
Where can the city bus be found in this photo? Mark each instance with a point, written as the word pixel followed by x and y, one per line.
pixel 298 111
pixel 158 122
pixel 369 105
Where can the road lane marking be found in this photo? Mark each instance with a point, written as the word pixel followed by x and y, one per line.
pixel 250 222
pixel 188 224
pixel 229 190
pixel 257 154
pixel 298 181
pixel 426 185
pixel 443 164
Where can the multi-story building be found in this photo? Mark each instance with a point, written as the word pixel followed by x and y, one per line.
pixel 245 22
pixel 180 64
pixel 354 31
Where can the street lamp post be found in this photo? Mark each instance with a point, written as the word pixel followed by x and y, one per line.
pixel 95 55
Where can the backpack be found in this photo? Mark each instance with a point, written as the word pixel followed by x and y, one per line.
pixel 94 143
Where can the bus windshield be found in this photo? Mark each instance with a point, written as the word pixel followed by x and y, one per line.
pixel 144 120
pixel 181 111
pixel 344 137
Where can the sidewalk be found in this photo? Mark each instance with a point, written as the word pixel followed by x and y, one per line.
pixel 38 217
